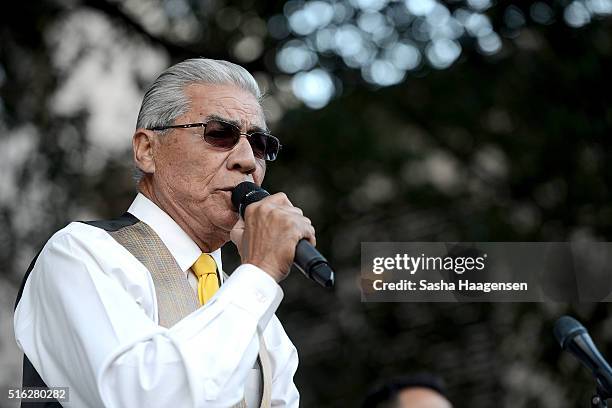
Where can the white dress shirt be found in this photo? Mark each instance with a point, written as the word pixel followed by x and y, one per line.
pixel 88 320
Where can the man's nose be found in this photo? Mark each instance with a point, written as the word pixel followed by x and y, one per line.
pixel 242 157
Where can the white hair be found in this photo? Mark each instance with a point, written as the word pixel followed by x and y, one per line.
pixel 165 100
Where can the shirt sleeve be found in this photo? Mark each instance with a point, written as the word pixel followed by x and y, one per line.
pixel 284 391
pixel 82 328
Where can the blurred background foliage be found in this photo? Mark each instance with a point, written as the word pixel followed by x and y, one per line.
pixel 471 120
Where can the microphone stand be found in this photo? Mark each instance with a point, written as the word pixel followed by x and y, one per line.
pixel 598 402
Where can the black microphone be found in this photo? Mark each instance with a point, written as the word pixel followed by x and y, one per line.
pixel 573 337
pixel 307 259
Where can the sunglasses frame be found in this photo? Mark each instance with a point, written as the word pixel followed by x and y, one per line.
pixel 203 125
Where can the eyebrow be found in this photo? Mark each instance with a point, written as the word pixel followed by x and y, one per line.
pixel 237 124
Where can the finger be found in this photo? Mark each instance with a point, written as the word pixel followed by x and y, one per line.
pixel 293 210
pixel 305 227
pixel 237 233
pixel 308 233
pixel 239 224
pixel 279 198
pixel 236 237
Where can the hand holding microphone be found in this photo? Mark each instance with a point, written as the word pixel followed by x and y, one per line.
pixel 275 233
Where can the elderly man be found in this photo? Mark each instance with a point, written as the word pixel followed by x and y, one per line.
pixel 136 311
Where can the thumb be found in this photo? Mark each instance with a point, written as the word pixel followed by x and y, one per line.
pixel 237 233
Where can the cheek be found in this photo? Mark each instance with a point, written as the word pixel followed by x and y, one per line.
pixel 259 173
pixel 186 170
pixel 178 168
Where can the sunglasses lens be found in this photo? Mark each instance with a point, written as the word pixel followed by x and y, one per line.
pixel 221 134
pixel 272 148
pixel 259 142
pixel 226 136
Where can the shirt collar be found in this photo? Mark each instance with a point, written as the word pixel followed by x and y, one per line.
pixel 180 245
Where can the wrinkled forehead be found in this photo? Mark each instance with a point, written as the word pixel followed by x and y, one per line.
pixel 227 102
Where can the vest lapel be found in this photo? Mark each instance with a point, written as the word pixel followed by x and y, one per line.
pixel 175 298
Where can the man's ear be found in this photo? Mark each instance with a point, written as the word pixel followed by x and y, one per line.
pixel 142 146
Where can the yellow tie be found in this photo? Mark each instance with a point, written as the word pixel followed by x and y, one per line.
pixel 205 269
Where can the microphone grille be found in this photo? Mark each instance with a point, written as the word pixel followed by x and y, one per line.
pixel 567 328
pixel 241 190
pixel 246 193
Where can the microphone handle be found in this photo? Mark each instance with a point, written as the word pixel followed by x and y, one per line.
pixel 587 353
pixel 312 264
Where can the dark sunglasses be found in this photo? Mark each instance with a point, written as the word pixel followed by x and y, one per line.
pixel 226 135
